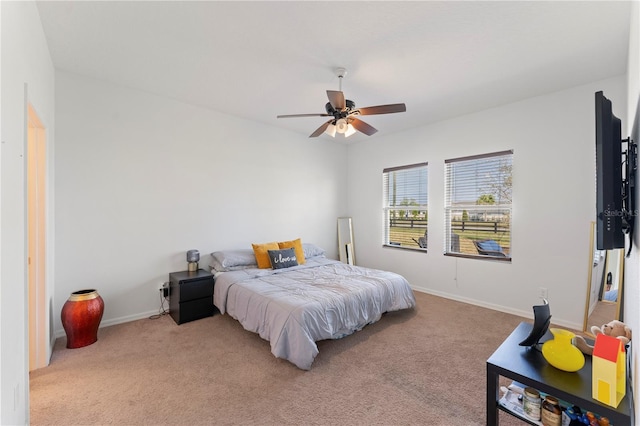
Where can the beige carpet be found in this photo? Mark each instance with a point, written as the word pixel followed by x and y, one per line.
pixel 419 367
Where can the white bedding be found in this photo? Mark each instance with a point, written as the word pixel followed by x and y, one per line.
pixel 295 307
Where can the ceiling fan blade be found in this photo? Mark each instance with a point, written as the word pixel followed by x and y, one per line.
pixel 304 115
pixel 363 127
pixel 382 109
pixel 336 99
pixel 320 130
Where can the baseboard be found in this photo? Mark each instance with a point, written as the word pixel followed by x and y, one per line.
pixel 120 320
pixel 52 342
pixel 506 309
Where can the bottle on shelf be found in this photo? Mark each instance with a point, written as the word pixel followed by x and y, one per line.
pixel 593 421
pixel 531 404
pixel 551 412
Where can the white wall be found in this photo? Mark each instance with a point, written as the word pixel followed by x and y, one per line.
pixel 632 265
pixel 25 60
pixel 142 179
pixel 553 139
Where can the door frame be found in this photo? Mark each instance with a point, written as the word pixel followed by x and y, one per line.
pixel 39 353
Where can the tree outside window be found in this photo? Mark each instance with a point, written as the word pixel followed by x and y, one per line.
pixel 478 206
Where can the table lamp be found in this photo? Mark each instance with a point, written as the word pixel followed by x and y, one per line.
pixel 193 256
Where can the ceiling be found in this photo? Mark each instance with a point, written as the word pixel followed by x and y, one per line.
pixel 256 60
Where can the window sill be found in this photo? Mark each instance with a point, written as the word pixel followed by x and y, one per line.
pixel 393 246
pixel 479 257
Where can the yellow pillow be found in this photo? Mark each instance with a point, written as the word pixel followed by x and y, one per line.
pixel 297 245
pixel 262 254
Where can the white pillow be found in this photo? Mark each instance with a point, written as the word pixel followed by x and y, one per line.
pixel 312 250
pixel 231 260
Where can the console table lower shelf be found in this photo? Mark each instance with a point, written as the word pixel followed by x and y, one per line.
pixel 527 366
pixel 510 403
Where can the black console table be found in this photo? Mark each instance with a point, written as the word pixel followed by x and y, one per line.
pixel 528 366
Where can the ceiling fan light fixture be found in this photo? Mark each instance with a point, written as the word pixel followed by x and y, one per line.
pixel 331 130
pixel 350 130
pixel 342 126
pixel 343 113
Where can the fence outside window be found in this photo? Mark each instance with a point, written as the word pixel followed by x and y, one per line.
pixel 405 210
pixel 478 197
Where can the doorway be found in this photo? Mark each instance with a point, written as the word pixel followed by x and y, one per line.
pixel 36 240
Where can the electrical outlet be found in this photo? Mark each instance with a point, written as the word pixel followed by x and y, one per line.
pixel 543 293
pixel 164 288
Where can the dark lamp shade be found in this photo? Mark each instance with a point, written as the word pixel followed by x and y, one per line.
pixel 193 256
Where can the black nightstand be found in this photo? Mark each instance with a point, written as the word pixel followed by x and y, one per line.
pixel 190 295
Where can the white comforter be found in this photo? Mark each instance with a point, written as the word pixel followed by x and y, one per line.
pixel 295 307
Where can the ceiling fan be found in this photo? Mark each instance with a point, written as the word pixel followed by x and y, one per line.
pixel 343 112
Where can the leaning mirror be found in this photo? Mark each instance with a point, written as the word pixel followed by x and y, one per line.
pixel 345 241
pixel 605 280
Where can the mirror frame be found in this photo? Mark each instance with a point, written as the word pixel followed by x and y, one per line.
pixel 345 241
pixel 593 262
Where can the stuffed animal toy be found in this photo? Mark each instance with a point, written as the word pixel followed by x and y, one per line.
pixel 615 328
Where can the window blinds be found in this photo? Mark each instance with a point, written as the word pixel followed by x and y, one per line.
pixel 478 196
pixel 405 198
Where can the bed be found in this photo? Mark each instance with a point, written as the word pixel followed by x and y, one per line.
pixel 296 306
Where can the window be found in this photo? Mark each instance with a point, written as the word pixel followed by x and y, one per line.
pixel 478 206
pixel 405 212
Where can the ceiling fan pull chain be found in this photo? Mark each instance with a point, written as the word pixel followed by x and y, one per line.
pixel 340 72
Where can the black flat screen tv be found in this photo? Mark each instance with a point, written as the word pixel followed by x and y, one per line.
pixel 610 210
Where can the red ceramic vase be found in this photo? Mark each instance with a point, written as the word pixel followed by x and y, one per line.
pixel 81 316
